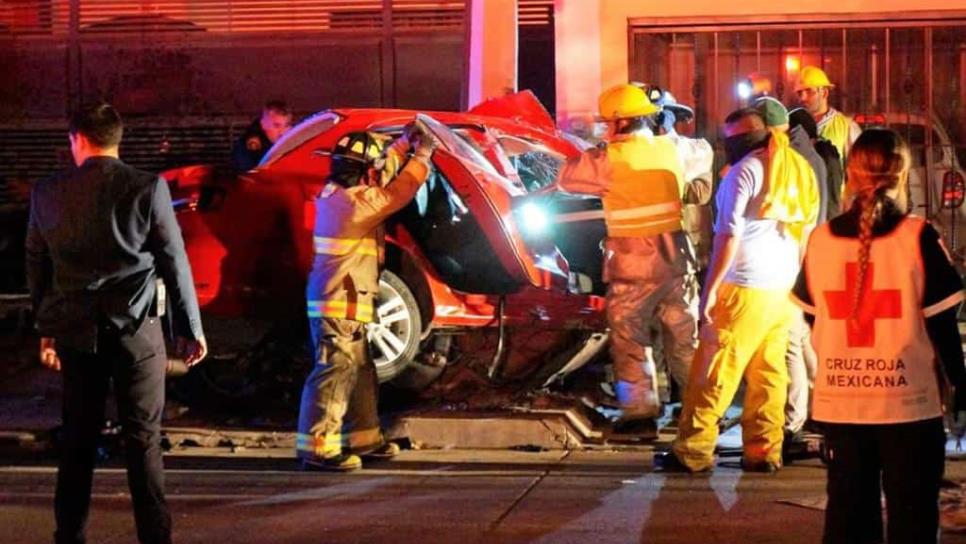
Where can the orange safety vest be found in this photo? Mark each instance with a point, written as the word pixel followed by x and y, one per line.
pixel 878 367
pixel 644 197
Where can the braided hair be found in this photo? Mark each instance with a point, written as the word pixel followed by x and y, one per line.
pixel 877 171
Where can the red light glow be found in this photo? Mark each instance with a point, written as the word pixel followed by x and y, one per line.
pixel 792 63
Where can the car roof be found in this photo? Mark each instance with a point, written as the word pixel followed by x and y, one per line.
pixel 367 118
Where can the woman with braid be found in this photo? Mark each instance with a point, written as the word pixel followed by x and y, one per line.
pixel 882 295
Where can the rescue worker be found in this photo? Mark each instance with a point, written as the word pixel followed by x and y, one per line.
pixel 883 295
pixel 799 356
pixel 835 175
pixel 766 203
pixel 697 158
pixel 813 88
pixel 647 257
pixel 275 120
pixel 341 290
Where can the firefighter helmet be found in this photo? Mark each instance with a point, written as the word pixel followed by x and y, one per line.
pixel 352 156
pixel 625 101
pixel 812 77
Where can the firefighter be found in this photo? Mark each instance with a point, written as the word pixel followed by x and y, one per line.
pixel 274 121
pixel 647 257
pixel 697 158
pixel 342 286
pixel 765 205
pixel 813 88
pixel 883 296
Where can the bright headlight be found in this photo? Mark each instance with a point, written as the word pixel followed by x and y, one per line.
pixel 744 90
pixel 533 219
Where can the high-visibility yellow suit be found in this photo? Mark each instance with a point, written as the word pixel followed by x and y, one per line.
pixel 767 202
pixel 341 290
pixel 648 262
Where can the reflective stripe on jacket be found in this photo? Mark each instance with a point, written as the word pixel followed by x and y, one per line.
pixel 644 198
pixel 344 279
pixel 639 179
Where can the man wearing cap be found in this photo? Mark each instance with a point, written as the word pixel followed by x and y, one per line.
pixel 765 205
pixel 813 88
pixel 799 356
pixel 647 257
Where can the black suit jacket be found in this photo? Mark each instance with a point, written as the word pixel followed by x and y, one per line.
pixel 97 239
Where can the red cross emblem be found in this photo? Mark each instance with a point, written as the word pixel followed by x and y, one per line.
pixel 884 304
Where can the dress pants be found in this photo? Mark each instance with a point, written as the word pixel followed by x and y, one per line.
pixel 136 364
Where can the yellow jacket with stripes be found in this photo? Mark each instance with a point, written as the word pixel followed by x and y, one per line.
pixel 640 180
pixel 347 238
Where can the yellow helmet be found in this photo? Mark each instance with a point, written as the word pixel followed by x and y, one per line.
pixel 625 101
pixel 812 77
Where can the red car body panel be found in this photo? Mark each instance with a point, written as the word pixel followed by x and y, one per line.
pixel 248 237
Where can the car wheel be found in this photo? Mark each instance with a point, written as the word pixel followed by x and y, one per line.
pixel 396 327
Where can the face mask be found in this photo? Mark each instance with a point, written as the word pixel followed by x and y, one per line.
pixel 739 145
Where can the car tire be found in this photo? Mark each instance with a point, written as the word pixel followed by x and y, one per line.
pixel 395 332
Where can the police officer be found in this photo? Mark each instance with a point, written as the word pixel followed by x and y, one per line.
pixel 647 257
pixel 363 189
pixel 883 296
pixel 275 120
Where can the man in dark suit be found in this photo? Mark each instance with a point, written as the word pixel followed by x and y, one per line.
pixel 98 239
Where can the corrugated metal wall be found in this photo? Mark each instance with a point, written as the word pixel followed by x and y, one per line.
pixel 188 75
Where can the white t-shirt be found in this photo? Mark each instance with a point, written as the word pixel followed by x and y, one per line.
pixel 767 254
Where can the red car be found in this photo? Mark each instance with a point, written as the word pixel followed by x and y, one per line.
pixel 480 285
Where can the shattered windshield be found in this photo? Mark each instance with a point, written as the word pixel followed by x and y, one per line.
pixel 537 170
pixel 536 164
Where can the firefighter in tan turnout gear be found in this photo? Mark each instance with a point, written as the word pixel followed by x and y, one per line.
pixel 364 188
pixel 648 262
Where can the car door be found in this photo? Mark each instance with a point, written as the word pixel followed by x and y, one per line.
pixel 575 222
pixel 462 220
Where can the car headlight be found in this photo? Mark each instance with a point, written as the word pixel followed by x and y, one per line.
pixel 534 219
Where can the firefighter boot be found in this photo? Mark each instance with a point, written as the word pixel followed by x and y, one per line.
pixel 343 462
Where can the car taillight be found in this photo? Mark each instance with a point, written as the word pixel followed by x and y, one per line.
pixel 954 189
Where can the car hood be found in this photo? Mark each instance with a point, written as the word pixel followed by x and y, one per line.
pixel 522 106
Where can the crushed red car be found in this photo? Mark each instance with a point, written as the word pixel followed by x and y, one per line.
pixel 482 287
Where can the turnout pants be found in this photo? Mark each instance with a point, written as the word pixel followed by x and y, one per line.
pixel 136 363
pixel 747 339
pixel 801 360
pixel 340 396
pixel 632 307
pixel 906 460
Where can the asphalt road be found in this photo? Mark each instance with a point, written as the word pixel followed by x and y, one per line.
pixel 462 497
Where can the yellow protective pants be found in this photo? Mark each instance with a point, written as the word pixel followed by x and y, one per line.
pixel 746 339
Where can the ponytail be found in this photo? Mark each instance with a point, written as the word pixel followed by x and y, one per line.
pixel 878 163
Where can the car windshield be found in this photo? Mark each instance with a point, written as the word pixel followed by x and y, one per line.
pixel 457 146
pixel 536 164
pixel 299 134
